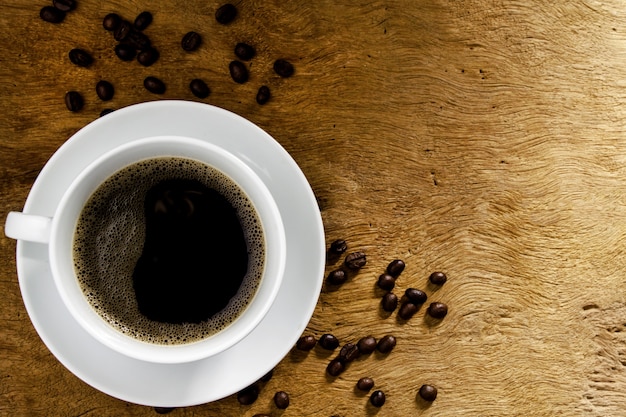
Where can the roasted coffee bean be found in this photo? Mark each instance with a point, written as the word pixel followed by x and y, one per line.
pixel 122 30
pixel 337 277
pixel 395 268
pixel 386 344
pixel 148 56
pixel 51 14
pixel 328 342
pixel 226 14
pixel 348 353
pixel 244 51
pixel 366 344
pixel 365 384
pixel 386 282
pixel 438 278
pixel 199 88
pixel 74 101
pixel 248 395
pixel 335 367
pixel 64 5
pixel 154 85
pixel 281 399
pixel 338 247
pixel 104 112
pixel 80 57
pixel 111 21
pixel 191 41
pixel 263 95
pixel 416 296
pixel 143 20
pixel 164 410
pixel 138 39
pixel 389 302
pixel 437 310
pixel 283 68
pixel 238 72
pixel 428 392
pixel 355 260
pixel 377 399
pixel 306 343
pixel 105 90
pixel 125 52
pixel 407 310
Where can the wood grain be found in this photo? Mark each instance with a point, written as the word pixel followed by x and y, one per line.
pixel 483 138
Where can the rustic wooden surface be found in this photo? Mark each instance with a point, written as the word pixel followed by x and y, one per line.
pixel 484 138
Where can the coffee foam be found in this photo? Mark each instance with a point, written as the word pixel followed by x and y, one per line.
pixel 109 239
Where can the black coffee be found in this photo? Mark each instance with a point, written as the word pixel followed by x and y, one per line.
pixel 169 250
pixel 194 256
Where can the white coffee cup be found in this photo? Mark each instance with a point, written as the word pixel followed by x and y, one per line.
pixel 58 231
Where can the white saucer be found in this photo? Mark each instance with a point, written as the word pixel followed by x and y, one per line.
pixel 228 372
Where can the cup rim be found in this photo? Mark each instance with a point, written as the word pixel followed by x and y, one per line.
pixel 95 325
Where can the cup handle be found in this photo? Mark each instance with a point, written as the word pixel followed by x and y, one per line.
pixel 28 227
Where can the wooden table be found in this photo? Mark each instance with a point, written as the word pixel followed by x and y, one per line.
pixel 484 138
